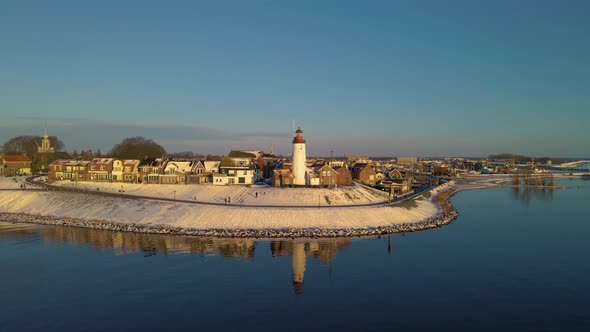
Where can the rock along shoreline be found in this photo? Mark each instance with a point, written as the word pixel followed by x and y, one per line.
pixel 445 216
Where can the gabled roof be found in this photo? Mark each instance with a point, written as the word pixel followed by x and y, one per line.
pixel 15 158
pixel 182 166
pixel 211 165
pixel 319 168
pixel 228 162
pixel 130 162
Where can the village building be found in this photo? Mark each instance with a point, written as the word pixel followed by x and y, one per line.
pixel 394 174
pixel 45 152
pixel 117 173
pixel 66 169
pixel 100 169
pixel 407 161
pixel 234 171
pixel 397 186
pixel 364 173
pixel 150 170
pixel 15 164
pixel 282 178
pixel 336 163
pixel 131 170
pixel 343 176
pixel 198 173
pixel 176 172
pixel 327 176
pixel 250 154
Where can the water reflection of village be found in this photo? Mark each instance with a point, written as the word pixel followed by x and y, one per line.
pixel 325 250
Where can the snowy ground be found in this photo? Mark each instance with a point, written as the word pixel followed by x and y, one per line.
pixel 199 216
pixel 354 195
pixel 180 214
pixel 14 182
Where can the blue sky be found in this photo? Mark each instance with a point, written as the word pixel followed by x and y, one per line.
pixel 431 78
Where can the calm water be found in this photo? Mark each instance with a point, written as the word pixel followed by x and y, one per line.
pixel 513 260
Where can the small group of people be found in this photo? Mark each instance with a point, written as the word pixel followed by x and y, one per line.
pixel 23 186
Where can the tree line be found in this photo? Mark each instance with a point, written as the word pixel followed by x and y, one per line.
pixel 137 147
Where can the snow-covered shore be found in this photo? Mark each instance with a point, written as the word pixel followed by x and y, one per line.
pixel 255 195
pixel 154 216
pixel 178 214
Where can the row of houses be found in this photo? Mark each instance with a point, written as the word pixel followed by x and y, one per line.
pixel 236 169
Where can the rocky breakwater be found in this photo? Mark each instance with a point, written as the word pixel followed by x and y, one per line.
pixel 441 196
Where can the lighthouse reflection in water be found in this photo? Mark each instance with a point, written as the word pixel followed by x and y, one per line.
pixel 150 245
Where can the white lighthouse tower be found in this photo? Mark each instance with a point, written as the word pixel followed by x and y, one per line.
pixel 299 158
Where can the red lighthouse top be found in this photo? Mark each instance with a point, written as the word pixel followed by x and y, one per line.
pixel 299 136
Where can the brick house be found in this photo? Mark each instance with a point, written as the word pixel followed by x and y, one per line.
pixel 364 173
pixel 198 173
pixel 100 169
pixel 344 176
pixel 16 164
pixel 328 177
pixel 75 170
pixel 151 169
pixel 131 170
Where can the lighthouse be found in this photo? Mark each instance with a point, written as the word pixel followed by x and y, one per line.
pixel 299 159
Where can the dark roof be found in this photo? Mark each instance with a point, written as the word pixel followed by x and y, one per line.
pixel 299 131
pixel 241 154
pixel 228 162
pixel 147 162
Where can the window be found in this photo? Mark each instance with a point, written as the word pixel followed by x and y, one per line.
pixel 93 168
pixel 241 180
pixel 102 167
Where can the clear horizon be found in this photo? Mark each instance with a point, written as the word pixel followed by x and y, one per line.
pixel 380 78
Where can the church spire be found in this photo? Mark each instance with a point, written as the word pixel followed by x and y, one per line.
pixel 45 143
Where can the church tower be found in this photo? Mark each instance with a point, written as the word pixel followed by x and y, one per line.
pixel 299 159
pixel 45 144
pixel 45 153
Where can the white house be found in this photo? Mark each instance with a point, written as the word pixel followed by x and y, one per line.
pixel 236 171
pixel 176 171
